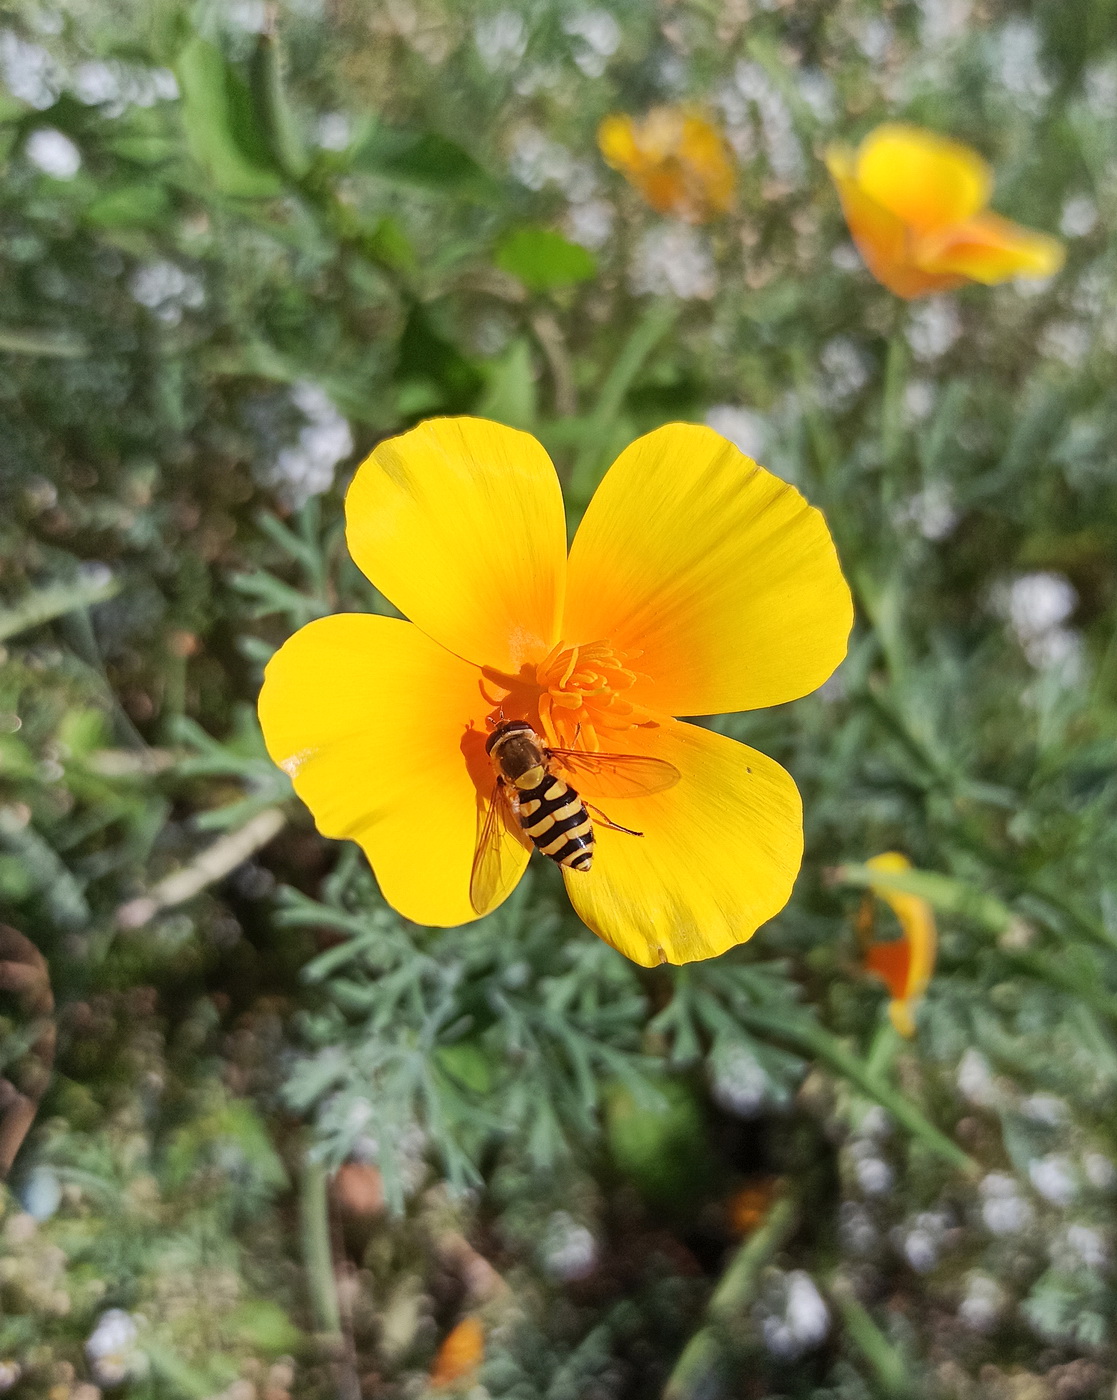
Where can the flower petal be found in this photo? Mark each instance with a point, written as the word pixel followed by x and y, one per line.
pixel 460 523
pixel 718 856
pixel 925 179
pixel 882 238
pixel 678 161
pixel 905 964
pixel 990 249
pixel 714 576
pixel 372 720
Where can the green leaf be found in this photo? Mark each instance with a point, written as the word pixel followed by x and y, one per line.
pixel 222 128
pixel 510 396
pixel 131 206
pixel 468 1065
pixel 542 259
pixel 421 158
pixel 276 120
pixel 262 1323
pixel 661 1148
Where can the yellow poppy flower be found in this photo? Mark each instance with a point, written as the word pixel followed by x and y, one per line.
pixel 677 160
pixel 697 583
pixel 915 204
pixel 904 964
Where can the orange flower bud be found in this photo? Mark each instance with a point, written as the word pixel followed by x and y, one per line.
pixel 903 964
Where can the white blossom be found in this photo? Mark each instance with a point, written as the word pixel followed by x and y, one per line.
pixel 53 153
pixel 597 35
pixel 333 131
pixel 932 511
pixel 167 290
pixel 500 40
pixel 942 20
pixel 590 223
pixel 933 327
pixel 984 1302
pixel 29 72
pixel 1068 341
pixel 1079 216
pixel 781 145
pixel 673 259
pixel 111 1348
pixel 799 1319
pixel 1015 54
pixel 307 466
pixel 1054 1178
pixel 1036 606
pixel 744 428
pixel 1004 1209
pixel 844 368
pixel 1100 1171
pixel 570 1250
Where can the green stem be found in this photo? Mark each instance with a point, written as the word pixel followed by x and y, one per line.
pixel 314 1219
pixel 883 1050
pixel 810 1036
pixel 884 1360
pixel 702 1356
pixel 649 331
pixel 55 600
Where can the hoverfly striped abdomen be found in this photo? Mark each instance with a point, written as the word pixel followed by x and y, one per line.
pixel 529 798
pixel 555 818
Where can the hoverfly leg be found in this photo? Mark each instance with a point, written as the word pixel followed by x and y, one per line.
pixel 604 820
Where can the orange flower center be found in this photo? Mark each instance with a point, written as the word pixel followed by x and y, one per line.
pixel 576 695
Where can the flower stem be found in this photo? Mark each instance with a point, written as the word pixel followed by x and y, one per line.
pixel 702 1356
pixel 648 332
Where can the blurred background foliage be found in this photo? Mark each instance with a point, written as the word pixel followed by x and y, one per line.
pixel 290 1141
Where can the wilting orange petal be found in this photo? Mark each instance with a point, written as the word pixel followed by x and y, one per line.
pixel 460 523
pixel 460 1354
pixel 990 249
pixel 904 964
pixel 925 179
pixel 718 854
pixel 678 161
pixel 715 578
pixel 379 728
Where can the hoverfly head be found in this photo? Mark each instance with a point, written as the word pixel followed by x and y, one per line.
pixel 504 728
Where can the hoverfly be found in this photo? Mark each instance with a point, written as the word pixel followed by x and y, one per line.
pixel 530 797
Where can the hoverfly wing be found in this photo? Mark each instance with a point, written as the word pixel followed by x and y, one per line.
pixel 617 774
pixel 494 861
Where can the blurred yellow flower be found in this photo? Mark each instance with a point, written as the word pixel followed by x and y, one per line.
pixel 676 159
pixel 904 964
pixel 697 583
pixel 915 203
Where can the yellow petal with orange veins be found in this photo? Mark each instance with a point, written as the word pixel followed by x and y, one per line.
pixel 718 855
pixel 923 178
pixel 715 578
pixel 990 249
pixel 460 523
pixel 382 732
pixel 882 238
